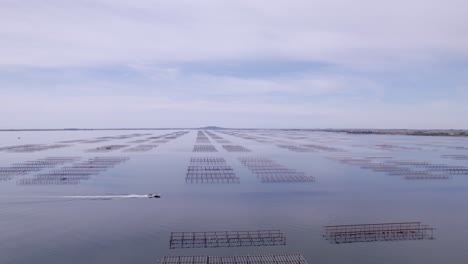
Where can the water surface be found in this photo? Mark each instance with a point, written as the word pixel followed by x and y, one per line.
pixel 37 226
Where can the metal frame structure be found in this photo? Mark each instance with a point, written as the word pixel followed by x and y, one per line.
pixel 17 169
pixel 202 138
pixel 227 239
pixel 455 157
pixel 295 148
pixel 269 171
pixel 250 259
pixel 32 147
pixel 141 148
pixel 204 148
pixel 378 232
pixel 322 148
pixel 213 135
pixel 107 148
pixel 75 173
pixel 235 148
pixel 210 170
pixel 408 169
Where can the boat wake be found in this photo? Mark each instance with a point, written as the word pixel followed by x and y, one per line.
pixel 110 197
pixel 68 198
pixel 106 197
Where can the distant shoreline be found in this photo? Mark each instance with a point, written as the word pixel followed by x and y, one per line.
pixel 406 132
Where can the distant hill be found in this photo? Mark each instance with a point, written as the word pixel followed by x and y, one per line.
pixel 211 128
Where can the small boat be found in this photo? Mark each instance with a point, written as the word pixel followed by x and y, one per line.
pixel 154 195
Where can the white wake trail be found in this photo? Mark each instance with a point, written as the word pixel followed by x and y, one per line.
pixel 68 198
pixel 127 196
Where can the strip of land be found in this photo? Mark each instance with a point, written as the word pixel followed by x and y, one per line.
pixel 407 132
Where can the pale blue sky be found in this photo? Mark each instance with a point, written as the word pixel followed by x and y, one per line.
pixel 273 64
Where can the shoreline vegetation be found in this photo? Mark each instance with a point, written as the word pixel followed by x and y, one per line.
pixel 406 132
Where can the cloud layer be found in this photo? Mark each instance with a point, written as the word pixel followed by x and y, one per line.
pixel 234 63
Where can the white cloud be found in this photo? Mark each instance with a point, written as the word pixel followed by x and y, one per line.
pixel 365 45
pixel 175 82
pixel 361 33
pixel 141 111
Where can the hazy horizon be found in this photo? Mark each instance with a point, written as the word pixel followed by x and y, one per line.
pixel 228 128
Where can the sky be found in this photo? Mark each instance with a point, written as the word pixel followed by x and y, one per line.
pixel 242 63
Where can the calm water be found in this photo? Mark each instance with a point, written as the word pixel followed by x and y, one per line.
pixel 37 226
